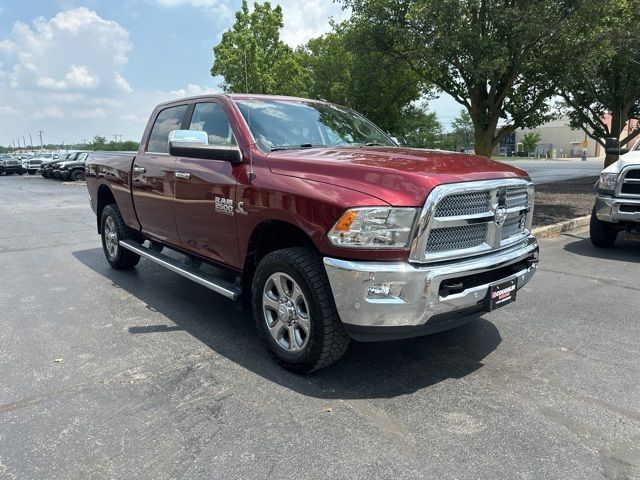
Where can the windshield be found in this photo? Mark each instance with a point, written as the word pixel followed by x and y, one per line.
pixel 289 124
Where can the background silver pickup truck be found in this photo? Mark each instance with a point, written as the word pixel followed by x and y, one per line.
pixel 617 207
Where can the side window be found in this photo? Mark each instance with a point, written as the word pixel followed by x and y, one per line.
pixel 169 119
pixel 210 117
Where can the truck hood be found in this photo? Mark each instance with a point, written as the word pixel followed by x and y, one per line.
pixel 631 158
pixel 397 176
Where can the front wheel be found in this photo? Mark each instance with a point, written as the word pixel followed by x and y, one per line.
pixel 602 234
pixel 294 311
pixel 113 230
pixel 77 175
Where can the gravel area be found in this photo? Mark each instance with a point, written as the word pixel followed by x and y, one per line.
pixel 559 201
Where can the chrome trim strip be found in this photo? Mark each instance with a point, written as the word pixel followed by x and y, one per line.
pixel 166 262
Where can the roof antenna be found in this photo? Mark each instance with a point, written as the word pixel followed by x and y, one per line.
pixel 250 174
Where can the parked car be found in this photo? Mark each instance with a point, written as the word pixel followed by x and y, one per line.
pixel 71 169
pixel 51 160
pixel 318 221
pixel 9 165
pixel 617 207
pixel 31 166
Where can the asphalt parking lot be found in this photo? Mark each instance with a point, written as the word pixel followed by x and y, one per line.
pixel 157 377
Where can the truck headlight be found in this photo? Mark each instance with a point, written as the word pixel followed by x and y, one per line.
pixel 377 227
pixel 607 182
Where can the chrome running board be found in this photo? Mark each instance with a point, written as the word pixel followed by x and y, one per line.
pixel 205 279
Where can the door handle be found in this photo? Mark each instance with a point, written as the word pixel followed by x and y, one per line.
pixel 139 169
pixel 183 175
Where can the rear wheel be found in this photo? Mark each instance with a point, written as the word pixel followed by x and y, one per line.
pixel 77 175
pixel 113 230
pixel 294 311
pixel 602 234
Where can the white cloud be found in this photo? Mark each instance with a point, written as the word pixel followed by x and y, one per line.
pixel 73 50
pixel 304 20
pixel 63 75
pixel 218 9
pixel 122 83
pixel 77 77
pixel 89 114
pixel 192 90
pixel 48 112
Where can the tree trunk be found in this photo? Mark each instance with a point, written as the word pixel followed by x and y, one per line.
pixel 617 125
pixel 483 143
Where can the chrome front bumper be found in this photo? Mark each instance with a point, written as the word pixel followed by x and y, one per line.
pixel 608 209
pixel 385 294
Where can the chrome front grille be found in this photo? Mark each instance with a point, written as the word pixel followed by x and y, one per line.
pixel 471 218
pixel 456 238
pixel 512 227
pixel 630 183
pixel 517 197
pixel 464 204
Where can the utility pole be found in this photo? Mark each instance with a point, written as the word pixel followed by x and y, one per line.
pixel 24 142
pixel 30 141
pixel 40 133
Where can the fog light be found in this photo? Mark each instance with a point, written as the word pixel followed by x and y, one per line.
pixel 379 290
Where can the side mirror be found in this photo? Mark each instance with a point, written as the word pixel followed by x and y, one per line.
pixel 195 144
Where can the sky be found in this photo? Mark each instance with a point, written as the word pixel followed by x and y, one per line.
pixel 75 69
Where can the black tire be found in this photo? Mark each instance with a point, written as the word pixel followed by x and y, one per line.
pixel 327 340
pixel 119 258
pixel 602 234
pixel 77 175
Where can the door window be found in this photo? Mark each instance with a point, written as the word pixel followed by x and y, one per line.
pixel 210 117
pixel 168 119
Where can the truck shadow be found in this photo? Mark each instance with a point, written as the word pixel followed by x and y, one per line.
pixel 623 251
pixel 368 370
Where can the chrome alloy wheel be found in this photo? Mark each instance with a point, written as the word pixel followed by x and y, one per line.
pixel 110 237
pixel 286 312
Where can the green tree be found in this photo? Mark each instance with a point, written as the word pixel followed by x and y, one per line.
pixel 462 130
pixel 497 58
pixel 419 128
pixel 602 91
pixel 252 58
pixel 344 67
pixel 530 142
pixel 98 143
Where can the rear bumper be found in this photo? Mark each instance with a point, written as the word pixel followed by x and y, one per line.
pixel 617 209
pixel 383 300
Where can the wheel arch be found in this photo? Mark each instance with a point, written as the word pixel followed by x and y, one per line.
pixel 269 236
pixel 105 197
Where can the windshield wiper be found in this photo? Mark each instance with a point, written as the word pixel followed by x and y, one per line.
pixel 294 147
pixel 360 144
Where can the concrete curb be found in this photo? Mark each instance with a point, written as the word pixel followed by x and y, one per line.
pixel 74 184
pixel 558 228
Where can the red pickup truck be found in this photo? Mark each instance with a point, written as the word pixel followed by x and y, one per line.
pixel 316 219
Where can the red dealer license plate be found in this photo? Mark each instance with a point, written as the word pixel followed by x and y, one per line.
pixel 502 294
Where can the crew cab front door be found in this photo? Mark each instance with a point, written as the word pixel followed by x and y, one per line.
pixel 205 192
pixel 153 178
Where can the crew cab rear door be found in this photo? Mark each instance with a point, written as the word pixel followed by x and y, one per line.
pixel 205 191
pixel 153 178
